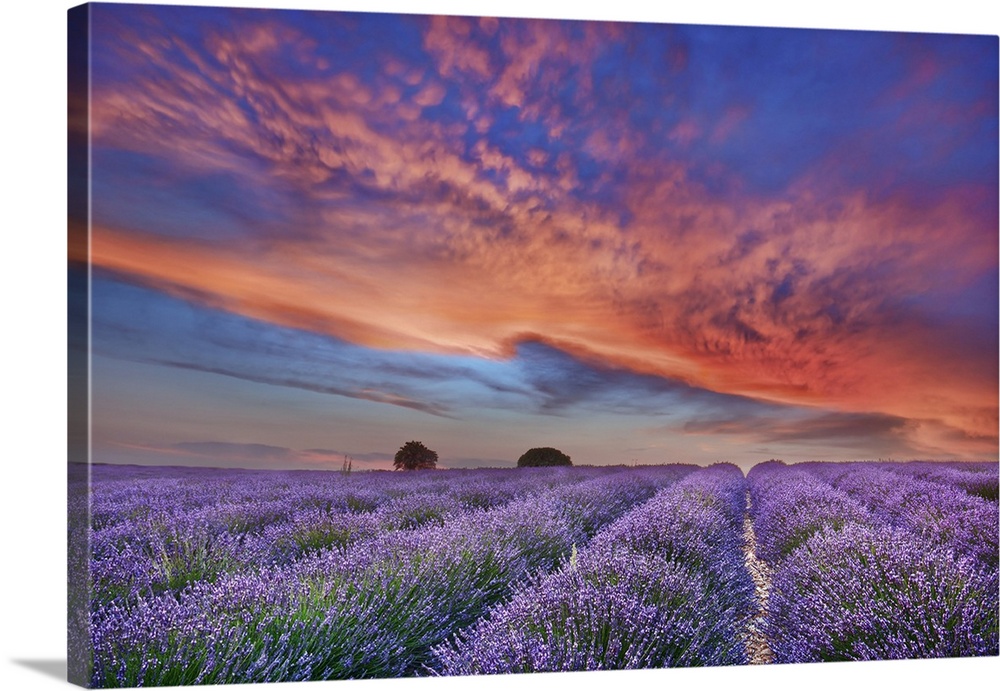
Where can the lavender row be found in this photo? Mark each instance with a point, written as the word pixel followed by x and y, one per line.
pixel 372 609
pixel 879 593
pixel 853 581
pixel 662 586
pixel 125 493
pixel 788 505
pixel 976 479
pixel 164 534
pixel 941 515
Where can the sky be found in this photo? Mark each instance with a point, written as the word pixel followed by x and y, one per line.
pixel 315 234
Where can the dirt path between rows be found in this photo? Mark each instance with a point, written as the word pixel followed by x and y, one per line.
pixel 758 650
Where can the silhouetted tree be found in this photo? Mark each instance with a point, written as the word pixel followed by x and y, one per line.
pixel 543 456
pixel 415 456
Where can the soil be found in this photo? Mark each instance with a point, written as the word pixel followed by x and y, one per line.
pixel 758 649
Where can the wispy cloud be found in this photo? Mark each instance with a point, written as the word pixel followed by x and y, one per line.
pixel 877 433
pixel 244 455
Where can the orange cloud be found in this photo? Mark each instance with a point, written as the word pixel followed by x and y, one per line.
pixel 693 315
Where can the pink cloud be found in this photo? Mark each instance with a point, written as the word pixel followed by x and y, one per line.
pixel 685 132
pixel 450 40
pixel 730 121
pixel 431 95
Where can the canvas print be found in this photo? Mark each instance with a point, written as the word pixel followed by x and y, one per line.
pixel 406 345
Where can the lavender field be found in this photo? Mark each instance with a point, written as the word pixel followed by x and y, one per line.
pixel 215 576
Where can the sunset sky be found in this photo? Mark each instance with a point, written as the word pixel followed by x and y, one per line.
pixel 316 234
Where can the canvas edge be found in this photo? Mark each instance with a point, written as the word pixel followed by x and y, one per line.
pixel 79 653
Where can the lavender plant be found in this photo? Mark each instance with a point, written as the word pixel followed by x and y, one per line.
pixel 206 576
pixel 662 586
pixel 373 605
pixel 976 479
pixel 876 593
pixel 941 515
pixel 623 610
pixel 790 505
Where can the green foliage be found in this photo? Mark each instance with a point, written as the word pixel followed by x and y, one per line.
pixel 542 457
pixel 320 537
pixel 183 559
pixel 415 456
pixel 357 503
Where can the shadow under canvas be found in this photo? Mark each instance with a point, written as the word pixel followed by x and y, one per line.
pixel 50 667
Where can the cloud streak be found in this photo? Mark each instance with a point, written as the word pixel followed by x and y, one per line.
pixel 241 455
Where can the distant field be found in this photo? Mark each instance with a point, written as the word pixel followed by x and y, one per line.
pixel 212 576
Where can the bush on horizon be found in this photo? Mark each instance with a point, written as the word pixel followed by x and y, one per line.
pixel 543 457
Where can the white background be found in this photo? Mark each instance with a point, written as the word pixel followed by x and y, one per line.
pixel 33 335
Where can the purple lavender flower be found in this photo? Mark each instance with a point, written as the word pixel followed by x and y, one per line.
pixel 789 505
pixel 941 515
pixel 875 593
pixel 662 586
pixel 362 581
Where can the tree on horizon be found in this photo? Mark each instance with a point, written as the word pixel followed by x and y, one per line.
pixel 413 455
